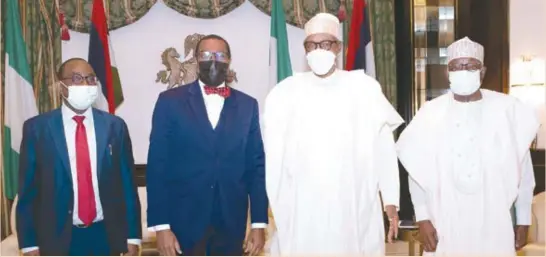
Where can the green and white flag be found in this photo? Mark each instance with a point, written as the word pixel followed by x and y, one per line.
pixel 279 56
pixel 20 103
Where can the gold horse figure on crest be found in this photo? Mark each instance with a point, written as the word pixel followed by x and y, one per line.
pixel 181 73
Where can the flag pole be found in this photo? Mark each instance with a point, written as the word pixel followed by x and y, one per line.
pixel 4 206
pixel 346 27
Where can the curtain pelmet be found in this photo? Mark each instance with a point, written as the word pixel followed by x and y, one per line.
pixel 204 9
pixel 298 12
pixel 119 13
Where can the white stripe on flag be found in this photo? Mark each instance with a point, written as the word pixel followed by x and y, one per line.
pixel 370 62
pixel 272 62
pixel 101 103
pixel 20 103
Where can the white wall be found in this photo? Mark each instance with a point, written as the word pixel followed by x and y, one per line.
pixel 138 49
pixel 528 37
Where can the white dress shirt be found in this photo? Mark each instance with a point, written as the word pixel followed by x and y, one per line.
pixel 214 104
pixel 70 135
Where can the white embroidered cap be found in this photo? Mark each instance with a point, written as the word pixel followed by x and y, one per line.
pixel 465 48
pixel 323 23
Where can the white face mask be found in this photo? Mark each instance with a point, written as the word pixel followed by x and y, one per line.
pixel 321 61
pixel 464 82
pixel 82 97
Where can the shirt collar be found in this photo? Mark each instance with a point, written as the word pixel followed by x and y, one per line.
pixel 68 113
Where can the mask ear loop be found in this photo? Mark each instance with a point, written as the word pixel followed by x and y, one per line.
pixel 62 84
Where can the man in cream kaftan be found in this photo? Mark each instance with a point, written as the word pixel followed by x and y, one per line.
pixel 329 151
pixel 467 154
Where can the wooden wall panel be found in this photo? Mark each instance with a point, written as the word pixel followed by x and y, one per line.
pixel 539 167
pixel 140 175
pixel 487 22
pixel 404 73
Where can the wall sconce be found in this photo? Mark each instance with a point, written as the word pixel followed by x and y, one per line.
pixel 528 71
pixel 527 82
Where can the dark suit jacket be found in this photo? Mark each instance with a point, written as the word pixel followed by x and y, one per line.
pixel 187 159
pixel 46 195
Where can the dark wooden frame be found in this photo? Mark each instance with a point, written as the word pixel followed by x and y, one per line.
pixel 487 22
pixel 140 177
pixel 539 168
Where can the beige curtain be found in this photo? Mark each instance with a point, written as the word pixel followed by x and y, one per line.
pixel 383 34
pixel 384 45
pixel 41 32
pixel 42 35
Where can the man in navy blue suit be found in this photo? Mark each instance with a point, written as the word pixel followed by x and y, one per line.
pixel 205 161
pixel 77 194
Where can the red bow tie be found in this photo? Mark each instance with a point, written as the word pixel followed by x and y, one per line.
pixel 221 91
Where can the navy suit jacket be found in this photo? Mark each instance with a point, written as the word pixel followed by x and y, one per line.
pixel 46 194
pixel 187 159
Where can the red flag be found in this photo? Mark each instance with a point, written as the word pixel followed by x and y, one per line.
pixel 360 50
pixel 101 57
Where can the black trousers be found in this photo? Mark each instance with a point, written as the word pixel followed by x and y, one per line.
pixel 218 241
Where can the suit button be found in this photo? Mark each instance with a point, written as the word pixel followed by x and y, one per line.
pixel 69 212
pixel 212 186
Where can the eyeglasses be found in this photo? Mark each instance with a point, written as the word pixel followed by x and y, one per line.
pixel 464 66
pixel 78 79
pixel 325 44
pixel 218 56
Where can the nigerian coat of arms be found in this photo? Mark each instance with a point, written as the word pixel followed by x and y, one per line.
pixel 178 72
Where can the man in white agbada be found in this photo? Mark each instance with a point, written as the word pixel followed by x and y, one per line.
pixel 329 151
pixel 467 154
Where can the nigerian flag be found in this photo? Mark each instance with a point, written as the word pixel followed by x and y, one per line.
pixel 20 103
pixel 279 57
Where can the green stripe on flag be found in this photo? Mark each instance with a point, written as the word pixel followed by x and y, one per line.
pixel 11 165
pixel 16 51
pixel 279 48
pixel 118 92
pixel 20 103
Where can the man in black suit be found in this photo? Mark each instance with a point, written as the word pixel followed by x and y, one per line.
pixel 77 195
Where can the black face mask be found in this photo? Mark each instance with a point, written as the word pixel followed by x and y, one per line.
pixel 213 73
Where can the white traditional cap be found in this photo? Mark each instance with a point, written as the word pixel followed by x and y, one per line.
pixel 323 23
pixel 465 48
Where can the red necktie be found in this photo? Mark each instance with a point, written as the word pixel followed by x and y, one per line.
pixel 221 91
pixel 86 197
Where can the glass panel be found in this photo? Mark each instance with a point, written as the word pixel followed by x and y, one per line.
pixel 433 31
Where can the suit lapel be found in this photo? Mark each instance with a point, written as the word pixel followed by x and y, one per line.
pixel 197 105
pixel 57 130
pixel 101 134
